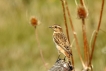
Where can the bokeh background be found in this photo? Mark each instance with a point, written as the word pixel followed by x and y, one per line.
pixel 18 46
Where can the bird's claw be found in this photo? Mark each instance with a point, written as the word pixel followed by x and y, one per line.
pixel 64 58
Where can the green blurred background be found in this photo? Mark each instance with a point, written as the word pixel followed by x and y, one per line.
pixel 18 47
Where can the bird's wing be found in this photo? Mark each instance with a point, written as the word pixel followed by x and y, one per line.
pixel 62 41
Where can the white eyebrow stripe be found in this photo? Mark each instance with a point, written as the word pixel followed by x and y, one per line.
pixel 58 26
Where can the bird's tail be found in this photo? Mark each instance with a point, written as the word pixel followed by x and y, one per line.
pixel 70 64
pixel 68 55
pixel 69 60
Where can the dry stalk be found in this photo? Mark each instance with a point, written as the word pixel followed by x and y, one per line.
pixel 86 48
pixel 96 33
pixel 82 14
pixel 65 21
pixel 40 50
pixel 82 2
pixel 91 39
pixel 63 5
pixel 74 33
pixel 34 23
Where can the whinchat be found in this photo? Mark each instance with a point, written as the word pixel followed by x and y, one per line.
pixel 61 41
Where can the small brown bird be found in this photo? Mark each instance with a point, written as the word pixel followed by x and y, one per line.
pixel 61 41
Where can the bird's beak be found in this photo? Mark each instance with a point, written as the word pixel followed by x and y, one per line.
pixel 50 27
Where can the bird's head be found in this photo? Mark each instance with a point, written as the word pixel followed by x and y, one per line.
pixel 56 28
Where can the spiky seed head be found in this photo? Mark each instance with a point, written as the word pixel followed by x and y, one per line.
pixel 82 12
pixel 34 21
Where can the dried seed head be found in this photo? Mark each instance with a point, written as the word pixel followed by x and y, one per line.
pixel 34 21
pixel 82 12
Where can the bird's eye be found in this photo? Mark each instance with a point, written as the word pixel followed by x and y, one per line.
pixel 55 26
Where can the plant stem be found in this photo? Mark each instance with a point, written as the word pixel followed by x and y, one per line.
pixel 40 50
pixel 74 33
pixel 86 48
pixel 65 21
pixel 63 5
pixel 82 2
pixel 96 33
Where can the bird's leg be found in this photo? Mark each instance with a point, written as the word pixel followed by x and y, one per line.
pixel 58 56
pixel 64 58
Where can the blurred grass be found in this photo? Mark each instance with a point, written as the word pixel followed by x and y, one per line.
pixel 18 46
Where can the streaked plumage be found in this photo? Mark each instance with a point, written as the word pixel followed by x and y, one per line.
pixel 61 41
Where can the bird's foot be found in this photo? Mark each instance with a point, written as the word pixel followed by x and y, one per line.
pixel 58 59
pixel 64 58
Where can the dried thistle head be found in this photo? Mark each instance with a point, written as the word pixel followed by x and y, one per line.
pixel 82 12
pixel 34 21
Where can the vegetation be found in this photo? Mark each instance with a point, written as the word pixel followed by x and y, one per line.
pixel 18 47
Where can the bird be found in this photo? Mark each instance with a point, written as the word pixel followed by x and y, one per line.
pixel 61 41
